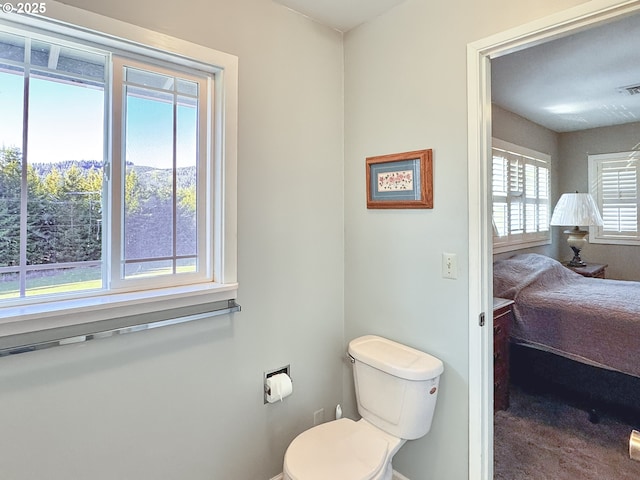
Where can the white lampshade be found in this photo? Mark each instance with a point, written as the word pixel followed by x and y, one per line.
pixel 576 209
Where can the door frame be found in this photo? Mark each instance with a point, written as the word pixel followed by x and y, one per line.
pixel 479 55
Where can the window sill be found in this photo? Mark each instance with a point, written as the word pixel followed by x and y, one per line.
pixel 615 240
pixel 519 246
pixel 18 320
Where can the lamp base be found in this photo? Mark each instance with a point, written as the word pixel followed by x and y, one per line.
pixel 577 240
pixel 576 261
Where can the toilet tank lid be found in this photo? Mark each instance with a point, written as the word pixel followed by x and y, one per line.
pixel 394 358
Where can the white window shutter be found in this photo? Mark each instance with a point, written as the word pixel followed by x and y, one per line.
pixel 520 182
pixel 614 185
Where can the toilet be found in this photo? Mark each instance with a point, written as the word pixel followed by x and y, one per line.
pixel 396 390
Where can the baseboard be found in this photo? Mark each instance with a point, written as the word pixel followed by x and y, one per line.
pixel 396 476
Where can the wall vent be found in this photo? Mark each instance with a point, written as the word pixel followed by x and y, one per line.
pixel 630 90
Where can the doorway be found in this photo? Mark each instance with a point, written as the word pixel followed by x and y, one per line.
pixel 479 55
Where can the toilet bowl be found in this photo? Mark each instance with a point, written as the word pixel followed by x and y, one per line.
pixel 341 450
pixel 396 391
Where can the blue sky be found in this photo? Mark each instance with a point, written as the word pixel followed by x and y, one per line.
pixel 66 123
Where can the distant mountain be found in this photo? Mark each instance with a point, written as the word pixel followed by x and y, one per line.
pixel 43 169
pixel 149 177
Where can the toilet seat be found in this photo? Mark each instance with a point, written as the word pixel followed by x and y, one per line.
pixel 337 450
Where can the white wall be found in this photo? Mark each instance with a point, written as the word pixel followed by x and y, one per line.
pixel 405 89
pixel 186 402
pixel 575 148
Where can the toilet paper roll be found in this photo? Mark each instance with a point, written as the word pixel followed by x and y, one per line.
pixel 278 387
pixel 634 445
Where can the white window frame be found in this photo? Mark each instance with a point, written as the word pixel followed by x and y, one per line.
pixel 74 23
pixel 525 240
pixel 118 281
pixel 630 159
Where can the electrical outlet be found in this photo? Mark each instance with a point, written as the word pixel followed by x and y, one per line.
pixel 318 417
pixel 449 265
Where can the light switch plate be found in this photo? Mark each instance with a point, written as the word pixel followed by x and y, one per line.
pixel 449 265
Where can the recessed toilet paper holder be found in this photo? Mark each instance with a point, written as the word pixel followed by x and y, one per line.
pixel 286 369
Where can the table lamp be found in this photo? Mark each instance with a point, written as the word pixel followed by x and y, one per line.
pixel 579 210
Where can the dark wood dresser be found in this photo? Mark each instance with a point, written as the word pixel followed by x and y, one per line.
pixel 502 318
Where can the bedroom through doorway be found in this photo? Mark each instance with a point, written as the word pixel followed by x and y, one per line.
pixel 485 59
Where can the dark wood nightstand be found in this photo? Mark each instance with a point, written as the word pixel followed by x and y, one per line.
pixel 594 270
pixel 502 318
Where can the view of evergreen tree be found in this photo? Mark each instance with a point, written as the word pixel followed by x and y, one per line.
pixel 10 179
pixel 64 211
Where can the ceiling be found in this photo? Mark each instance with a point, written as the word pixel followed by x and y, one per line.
pixel 576 82
pixel 342 15
pixel 573 83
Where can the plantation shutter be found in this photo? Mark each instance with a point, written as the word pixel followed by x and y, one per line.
pixel 614 185
pixel 500 192
pixel 516 190
pixel 520 190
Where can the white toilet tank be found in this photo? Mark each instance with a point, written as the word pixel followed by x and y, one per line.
pixel 396 385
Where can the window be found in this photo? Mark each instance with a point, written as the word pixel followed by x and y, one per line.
pixel 159 177
pixel 613 183
pixel 117 173
pixel 50 197
pixel 521 197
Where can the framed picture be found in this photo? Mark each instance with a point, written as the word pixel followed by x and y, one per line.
pixel 400 180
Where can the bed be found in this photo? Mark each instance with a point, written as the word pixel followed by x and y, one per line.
pixel 590 321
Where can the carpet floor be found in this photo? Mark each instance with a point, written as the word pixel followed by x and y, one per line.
pixel 542 438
